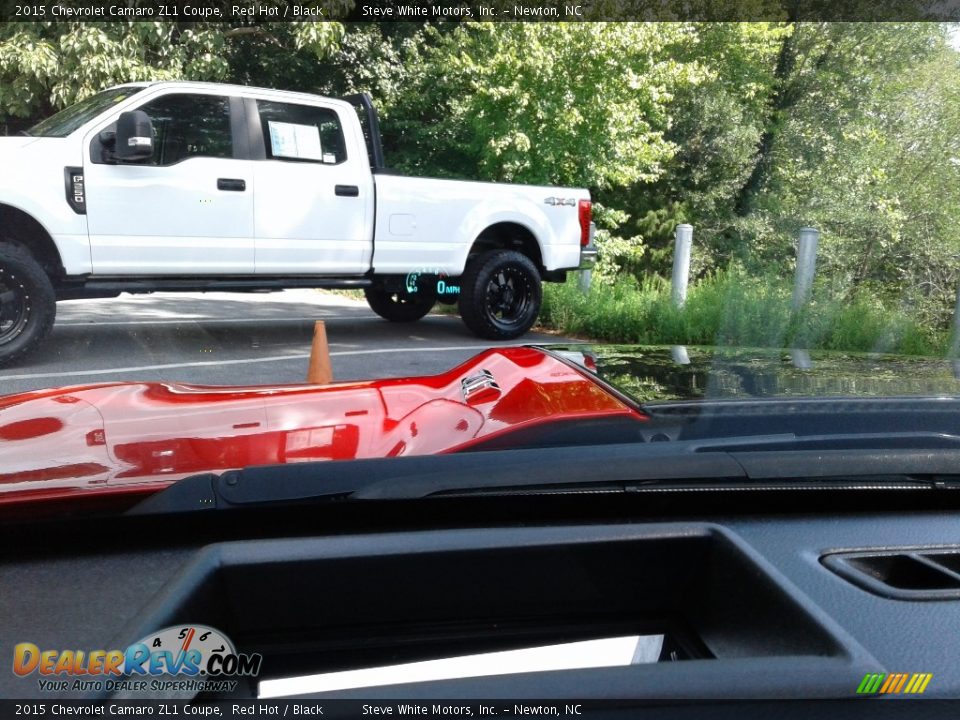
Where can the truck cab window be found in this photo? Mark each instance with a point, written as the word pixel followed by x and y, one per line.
pixel 187 126
pixel 301 132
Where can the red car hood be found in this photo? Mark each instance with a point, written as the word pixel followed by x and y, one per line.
pixel 140 437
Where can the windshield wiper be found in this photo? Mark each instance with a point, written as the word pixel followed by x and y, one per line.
pixel 729 463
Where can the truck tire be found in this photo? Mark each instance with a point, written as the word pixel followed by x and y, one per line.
pixel 500 295
pixel 399 306
pixel 28 304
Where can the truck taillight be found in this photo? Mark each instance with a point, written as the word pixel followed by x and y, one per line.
pixel 585 209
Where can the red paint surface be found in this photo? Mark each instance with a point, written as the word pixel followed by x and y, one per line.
pixel 140 437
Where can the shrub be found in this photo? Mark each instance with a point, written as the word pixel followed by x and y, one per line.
pixel 731 308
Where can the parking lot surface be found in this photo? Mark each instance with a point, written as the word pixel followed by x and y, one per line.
pixel 237 339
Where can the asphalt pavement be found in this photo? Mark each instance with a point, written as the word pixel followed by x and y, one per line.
pixel 237 339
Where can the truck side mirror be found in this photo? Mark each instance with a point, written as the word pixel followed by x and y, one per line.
pixel 134 137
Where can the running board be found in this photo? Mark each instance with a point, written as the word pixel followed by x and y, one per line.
pixel 146 285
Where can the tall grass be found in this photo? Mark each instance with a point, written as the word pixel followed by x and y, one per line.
pixel 730 308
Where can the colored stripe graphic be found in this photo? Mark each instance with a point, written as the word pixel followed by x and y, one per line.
pixel 870 683
pixel 889 683
pixel 894 683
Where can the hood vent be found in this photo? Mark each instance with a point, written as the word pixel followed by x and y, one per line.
pixel 479 388
pixel 901 574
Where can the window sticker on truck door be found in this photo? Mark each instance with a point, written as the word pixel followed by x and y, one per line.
pixel 290 140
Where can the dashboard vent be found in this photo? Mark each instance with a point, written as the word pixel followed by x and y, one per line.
pixel 902 574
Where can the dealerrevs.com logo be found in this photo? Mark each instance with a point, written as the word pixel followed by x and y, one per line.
pixel 192 657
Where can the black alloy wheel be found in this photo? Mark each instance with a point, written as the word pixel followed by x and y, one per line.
pixel 500 295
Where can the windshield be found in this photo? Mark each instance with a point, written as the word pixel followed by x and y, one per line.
pixel 656 212
pixel 69 119
pixel 659 374
pixel 478 358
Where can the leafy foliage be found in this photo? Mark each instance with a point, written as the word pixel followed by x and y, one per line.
pixel 734 308
pixel 45 66
pixel 543 103
pixel 748 131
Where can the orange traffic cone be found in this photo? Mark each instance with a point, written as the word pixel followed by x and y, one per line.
pixel 319 372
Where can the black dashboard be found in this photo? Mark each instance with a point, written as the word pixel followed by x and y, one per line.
pixel 738 584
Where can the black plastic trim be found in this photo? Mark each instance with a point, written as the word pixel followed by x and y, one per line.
pixel 238 129
pixel 346 190
pixel 374 142
pixel 199 284
pixel 75 189
pixel 231 184
pixel 900 573
pixel 767 638
pixel 254 130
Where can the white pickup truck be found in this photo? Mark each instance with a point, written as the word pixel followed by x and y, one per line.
pixel 198 187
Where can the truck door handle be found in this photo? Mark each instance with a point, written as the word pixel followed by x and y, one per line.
pixel 347 190
pixel 231 184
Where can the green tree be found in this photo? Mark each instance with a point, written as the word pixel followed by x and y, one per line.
pixel 551 103
pixel 867 153
pixel 45 66
pixel 716 124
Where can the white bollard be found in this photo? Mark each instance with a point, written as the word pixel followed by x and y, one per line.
pixel 801 359
pixel 681 264
pixel 806 266
pixel 679 354
pixel 583 280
